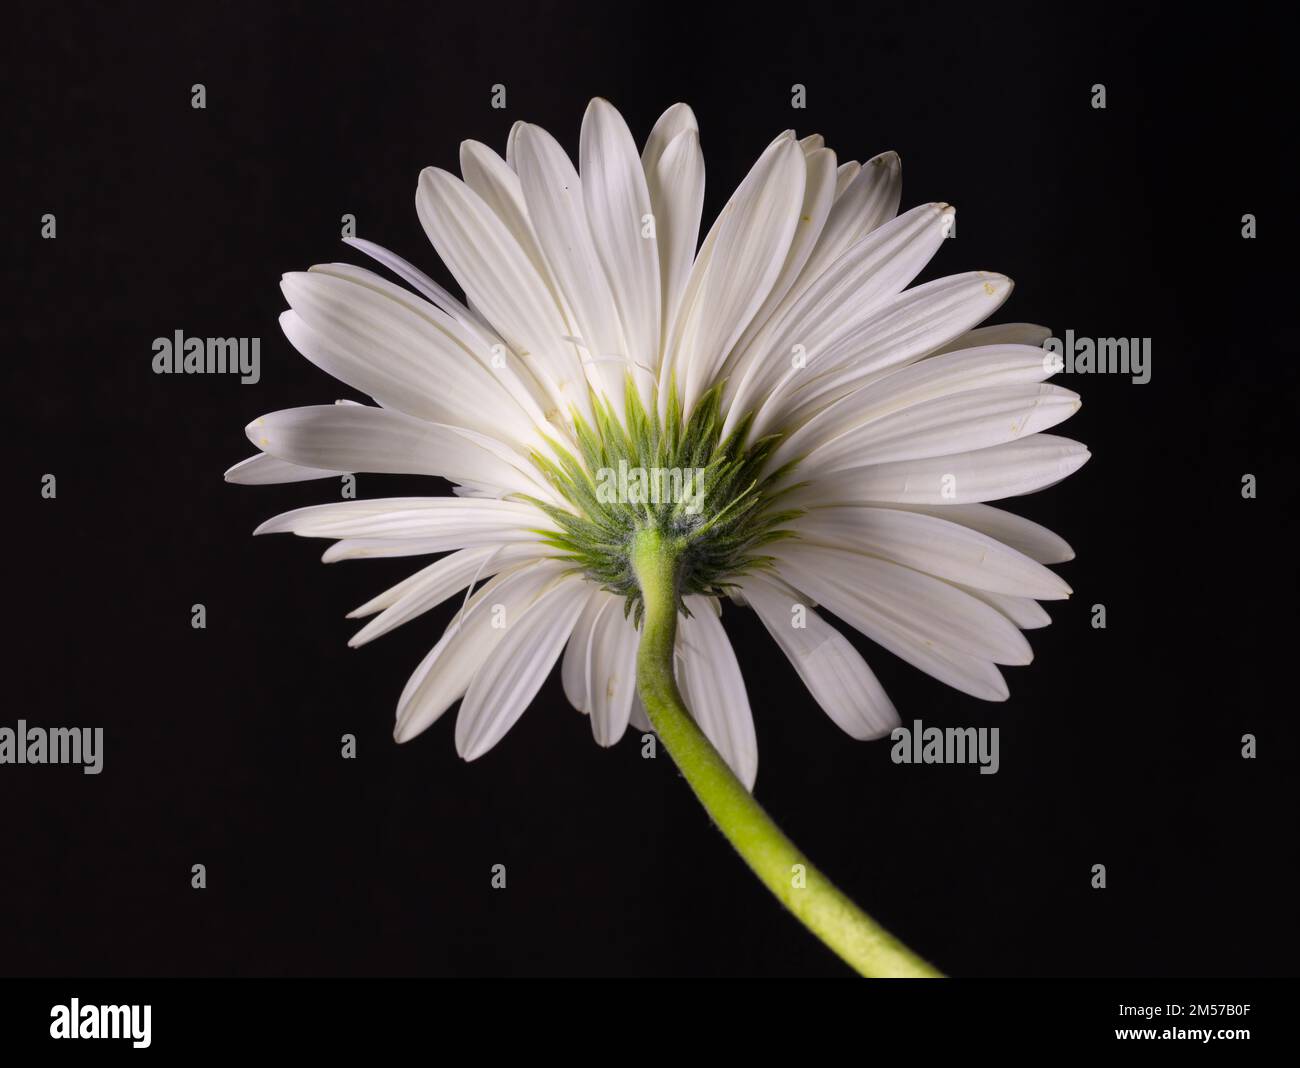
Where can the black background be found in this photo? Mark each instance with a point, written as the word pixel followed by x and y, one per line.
pixel 1119 746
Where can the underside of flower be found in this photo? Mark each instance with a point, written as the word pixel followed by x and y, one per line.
pixel 706 495
pixel 645 429
pixel 767 414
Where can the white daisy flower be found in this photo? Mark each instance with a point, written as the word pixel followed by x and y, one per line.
pixel 850 431
pixel 640 430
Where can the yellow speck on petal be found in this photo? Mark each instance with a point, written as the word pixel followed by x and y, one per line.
pixel 988 288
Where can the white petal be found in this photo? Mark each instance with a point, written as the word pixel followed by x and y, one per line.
pixel 421 282
pixel 910 326
pixel 936 546
pixel 402 354
pixel 265 470
pixel 676 120
pixel 615 679
pixel 617 199
pixel 516 667
pixel 384 548
pixel 834 672
pixel 714 689
pixel 675 180
pixel 410 517
pixel 638 720
pixel 612 671
pixel 511 138
pixel 498 185
pixel 576 668
pixel 554 195
pixel 999 334
pixel 926 606
pixel 844 175
pixel 353 437
pixel 429 587
pixel 444 675
pixel 454 341
pixel 819 192
pixel 1032 539
pixel 1025 613
pixel 1009 470
pixel 502 284
pixel 870 200
pixel 841 303
pixel 747 248
pixel 903 387
pixel 969 674
pixel 970 421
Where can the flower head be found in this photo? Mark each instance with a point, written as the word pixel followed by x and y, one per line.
pixel 800 426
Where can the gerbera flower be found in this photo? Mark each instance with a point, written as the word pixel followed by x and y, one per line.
pixel 775 421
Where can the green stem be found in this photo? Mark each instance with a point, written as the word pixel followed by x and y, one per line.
pixel 778 863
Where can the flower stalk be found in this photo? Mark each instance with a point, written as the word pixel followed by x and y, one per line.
pixel 779 864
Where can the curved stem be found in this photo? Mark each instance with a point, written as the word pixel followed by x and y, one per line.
pixel 783 869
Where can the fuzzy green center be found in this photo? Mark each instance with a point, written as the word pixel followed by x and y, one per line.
pixel 705 495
